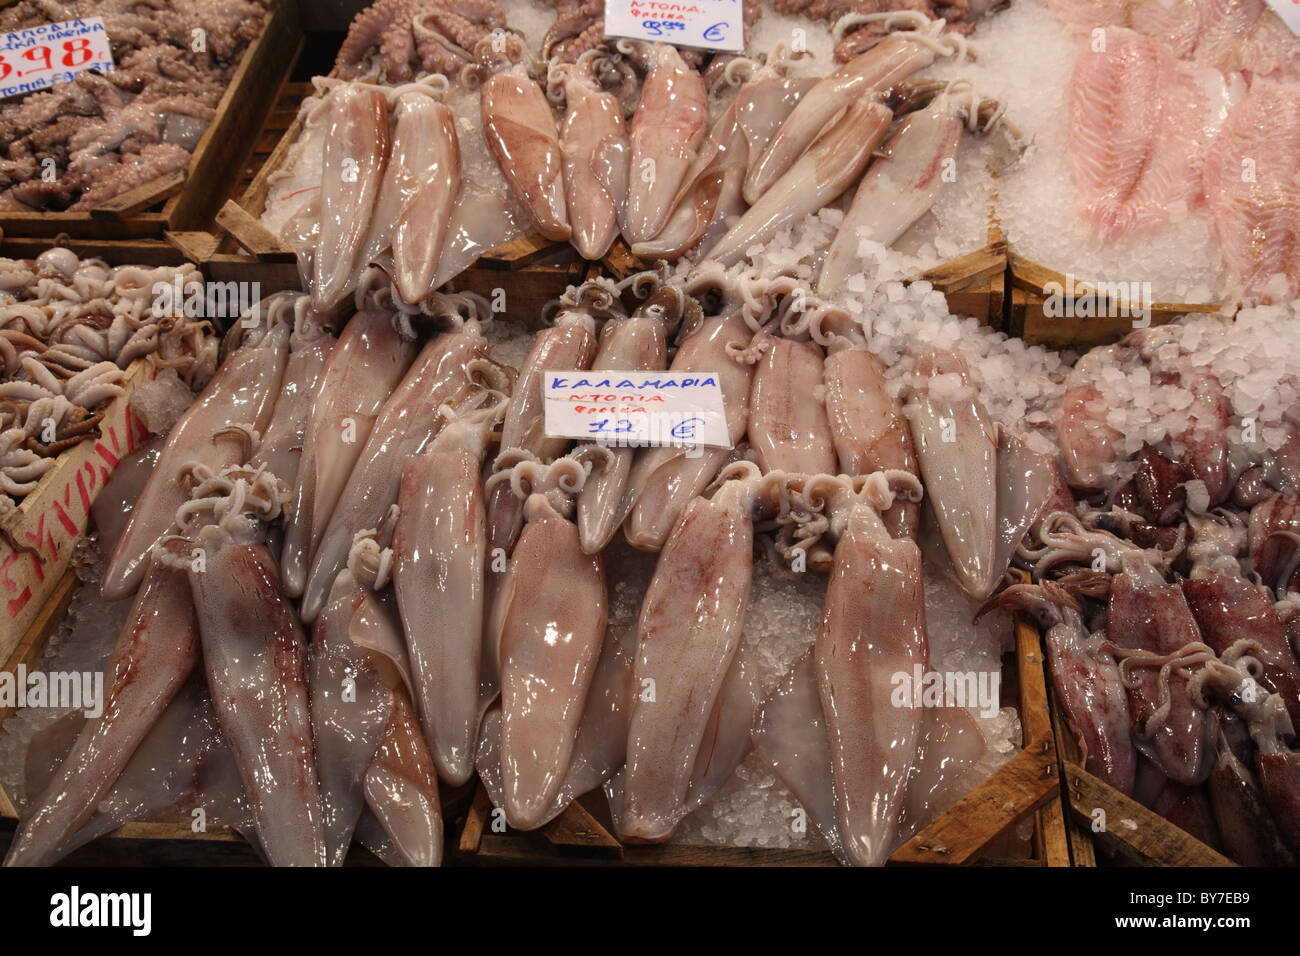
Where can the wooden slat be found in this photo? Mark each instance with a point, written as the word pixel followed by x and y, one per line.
pixel 119 252
pixel 975 268
pixel 521 252
pixel 1133 828
pixel 252 235
pixel 1033 325
pixel 575 831
pixel 1029 781
pixel 196 247
pixel 141 197
pixel 476 822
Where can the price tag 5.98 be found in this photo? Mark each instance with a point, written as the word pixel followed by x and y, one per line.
pixel 706 24
pixel 50 54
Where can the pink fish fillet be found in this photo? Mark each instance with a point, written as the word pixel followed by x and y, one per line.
pixel 1250 185
pixel 1118 100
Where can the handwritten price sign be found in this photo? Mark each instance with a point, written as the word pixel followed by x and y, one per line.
pixel 633 409
pixel 706 24
pixel 52 53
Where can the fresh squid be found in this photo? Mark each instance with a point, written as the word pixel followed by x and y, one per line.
pixel 154 656
pixel 550 622
pixel 851 86
pixel 710 197
pixel 439 562
pixel 422 180
pixel 520 131
pixel 903 183
pixel 670 123
pixel 956 448
pixel 636 343
pixel 873 627
pixel 350 704
pixel 242 393
pixel 1149 623
pixel 446 372
pixel 818 176
pixel 687 637
pixel 663 481
pixel 594 142
pixel 357 379
pixel 568 344
pixel 254 654
pixel 356 144
pixel 1086 679
pixel 788 428
pixel 869 429
pixel 310 346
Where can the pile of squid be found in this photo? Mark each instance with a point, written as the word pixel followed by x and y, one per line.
pixel 81 143
pixel 363 569
pixel 1168 601
pixel 68 330
pixel 380 174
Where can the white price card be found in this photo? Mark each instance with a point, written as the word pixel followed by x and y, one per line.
pixel 52 53
pixel 1289 11
pixel 706 24
pixel 632 409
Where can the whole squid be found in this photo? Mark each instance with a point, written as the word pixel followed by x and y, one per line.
pixel 254 654
pixel 356 151
pixel 687 637
pixel 418 192
pixel 569 343
pixel 900 186
pixel 669 124
pixel 594 142
pixel 446 372
pixel 710 196
pixel 550 621
pixel 357 379
pixel 872 73
pixel 956 448
pixel 439 562
pixel 1149 622
pixel 154 655
pixel 242 393
pixel 663 480
pixel 818 176
pixel 869 429
pixel 635 343
pixel 1086 678
pixel 310 346
pixel 520 132
pixel 788 428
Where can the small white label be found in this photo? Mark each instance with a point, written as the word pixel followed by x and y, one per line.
pixel 631 409
pixel 1289 11
pixel 706 24
pixel 51 54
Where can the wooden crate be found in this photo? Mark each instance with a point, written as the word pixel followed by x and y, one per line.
pixel 37 538
pixel 188 199
pixel 1126 826
pixel 972 831
pixel 1027 316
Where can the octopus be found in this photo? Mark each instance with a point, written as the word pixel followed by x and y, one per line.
pixel 69 330
pixel 852 37
pixel 402 37
pixel 82 143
